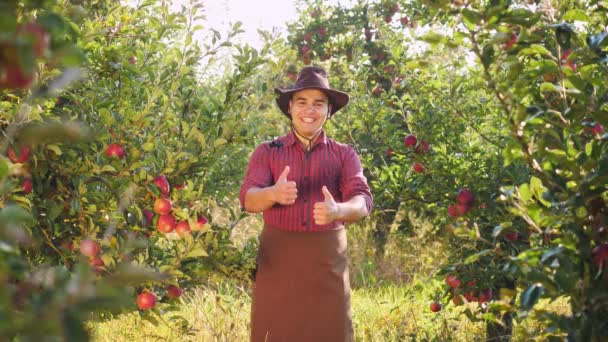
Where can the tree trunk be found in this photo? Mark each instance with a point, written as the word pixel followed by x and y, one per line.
pixel 381 233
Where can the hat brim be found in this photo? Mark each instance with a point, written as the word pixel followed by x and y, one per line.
pixel 337 99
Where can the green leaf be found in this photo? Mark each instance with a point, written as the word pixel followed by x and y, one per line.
pixel 55 149
pixel 551 253
pixel 148 146
pixel 548 87
pixel 219 142
pixel 14 214
pixel 472 258
pixel 433 38
pixel 471 17
pixel 127 274
pixel 524 193
pixel 196 252
pixel 535 50
pixel 3 168
pixel 576 15
pixel 68 131
pixel 531 295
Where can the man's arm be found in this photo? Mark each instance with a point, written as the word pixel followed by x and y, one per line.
pixel 329 210
pixel 283 192
pixel 259 199
pixel 352 210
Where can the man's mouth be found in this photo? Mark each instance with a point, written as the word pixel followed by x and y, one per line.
pixel 308 120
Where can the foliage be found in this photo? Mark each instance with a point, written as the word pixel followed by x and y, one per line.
pixel 87 161
pixel 510 98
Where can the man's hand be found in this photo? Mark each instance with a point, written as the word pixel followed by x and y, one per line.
pixel 327 211
pixel 284 191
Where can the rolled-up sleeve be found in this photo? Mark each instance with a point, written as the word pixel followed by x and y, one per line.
pixel 258 172
pixel 352 180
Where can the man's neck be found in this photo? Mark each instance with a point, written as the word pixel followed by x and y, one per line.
pixel 304 140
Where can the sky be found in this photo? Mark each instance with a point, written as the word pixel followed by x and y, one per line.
pixel 254 14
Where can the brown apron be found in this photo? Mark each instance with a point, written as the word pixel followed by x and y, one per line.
pixel 302 289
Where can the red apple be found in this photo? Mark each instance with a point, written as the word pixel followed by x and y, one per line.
pixel 596 129
pixel 173 291
pixel 471 283
pixel 26 186
pixel 452 281
pixel 292 76
pixel 308 36
pixel 600 252
pixel 512 40
pixel 24 154
pixel 435 307
pixel 322 31
pixel 457 300
pixel 163 184
pixel 465 196
pixel 115 151
pixel 485 296
pixel 37 34
pixel 512 236
pixel 67 245
pixel 410 140
pixel 162 206
pixel 452 211
pixel 418 168
pixel 12 76
pixel 568 63
pixel 423 147
pixel 462 208
pixel 133 60
pixel 395 8
pixel 470 296
pixel 165 223
pixel 182 228
pixel 97 264
pixel 305 50
pixel 146 300
pixel 389 152
pixel 377 90
pixel 89 248
pixel 198 226
pixel 388 19
pixel 149 216
pixel 404 21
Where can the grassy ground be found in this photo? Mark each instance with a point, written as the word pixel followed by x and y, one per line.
pixel 390 302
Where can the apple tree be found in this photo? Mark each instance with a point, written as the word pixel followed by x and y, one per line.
pixel 122 130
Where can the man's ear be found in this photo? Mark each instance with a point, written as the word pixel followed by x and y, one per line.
pixel 329 111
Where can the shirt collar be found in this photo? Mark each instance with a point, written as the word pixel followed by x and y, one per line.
pixel 291 138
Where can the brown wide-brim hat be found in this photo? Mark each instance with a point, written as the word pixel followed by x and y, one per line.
pixel 312 78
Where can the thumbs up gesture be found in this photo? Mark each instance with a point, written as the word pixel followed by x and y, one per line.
pixel 325 212
pixel 285 192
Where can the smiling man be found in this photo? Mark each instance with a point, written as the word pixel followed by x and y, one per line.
pixel 308 187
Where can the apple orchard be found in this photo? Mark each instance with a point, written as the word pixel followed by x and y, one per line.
pixel 126 129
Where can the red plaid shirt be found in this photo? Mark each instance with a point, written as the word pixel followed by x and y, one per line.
pixel 329 163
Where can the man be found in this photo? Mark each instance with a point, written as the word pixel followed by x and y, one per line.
pixel 307 186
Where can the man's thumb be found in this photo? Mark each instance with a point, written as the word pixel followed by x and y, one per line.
pixel 284 174
pixel 327 194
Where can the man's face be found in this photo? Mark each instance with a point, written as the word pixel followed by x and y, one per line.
pixel 308 108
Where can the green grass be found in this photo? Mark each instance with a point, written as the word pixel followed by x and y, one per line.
pixel 390 302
